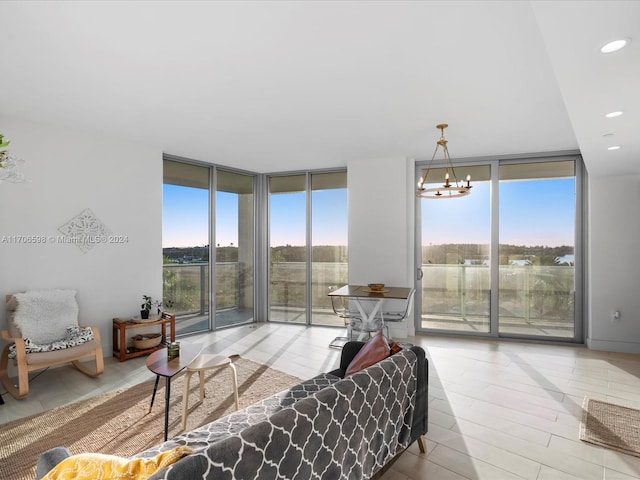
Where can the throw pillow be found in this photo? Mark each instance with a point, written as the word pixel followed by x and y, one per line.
pixel 87 466
pixel 395 347
pixel 376 349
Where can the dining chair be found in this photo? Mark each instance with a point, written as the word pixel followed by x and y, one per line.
pixel 399 316
pixel 340 307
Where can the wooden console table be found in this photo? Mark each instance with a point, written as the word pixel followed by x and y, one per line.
pixel 120 327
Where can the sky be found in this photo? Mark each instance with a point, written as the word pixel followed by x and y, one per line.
pixel 185 213
pixel 539 212
pixel 531 212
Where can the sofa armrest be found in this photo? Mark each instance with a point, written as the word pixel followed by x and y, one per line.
pixel 420 419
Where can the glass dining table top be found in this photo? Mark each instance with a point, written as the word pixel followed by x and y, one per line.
pixel 362 291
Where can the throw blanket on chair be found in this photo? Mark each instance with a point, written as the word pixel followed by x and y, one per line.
pixel 44 315
pixel 347 431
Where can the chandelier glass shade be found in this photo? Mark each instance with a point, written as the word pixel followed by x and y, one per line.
pixel 451 188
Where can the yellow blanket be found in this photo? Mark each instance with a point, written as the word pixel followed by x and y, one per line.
pixel 97 466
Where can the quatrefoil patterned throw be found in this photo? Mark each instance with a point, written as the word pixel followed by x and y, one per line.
pixel 348 430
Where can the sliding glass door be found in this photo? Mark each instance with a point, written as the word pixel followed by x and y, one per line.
pixel 456 236
pixel 502 261
pixel 537 249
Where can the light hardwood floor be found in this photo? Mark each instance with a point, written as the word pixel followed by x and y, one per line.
pixel 497 410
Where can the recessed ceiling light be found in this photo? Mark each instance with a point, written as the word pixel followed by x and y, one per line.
pixel 614 147
pixel 615 45
pixel 613 114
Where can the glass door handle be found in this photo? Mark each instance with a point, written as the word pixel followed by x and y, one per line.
pixel 419 273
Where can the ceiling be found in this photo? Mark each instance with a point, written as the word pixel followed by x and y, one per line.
pixel 291 85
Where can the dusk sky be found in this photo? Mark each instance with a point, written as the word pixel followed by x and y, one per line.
pixel 537 212
pixel 540 212
pixel 185 211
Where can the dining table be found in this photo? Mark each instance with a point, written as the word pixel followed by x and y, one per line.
pixel 361 294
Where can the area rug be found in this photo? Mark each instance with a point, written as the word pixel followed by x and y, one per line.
pixel 611 426
pixel 119 423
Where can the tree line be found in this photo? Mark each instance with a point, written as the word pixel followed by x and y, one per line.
pixel 449 253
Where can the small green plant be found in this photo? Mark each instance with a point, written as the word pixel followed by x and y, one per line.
pixel 147 302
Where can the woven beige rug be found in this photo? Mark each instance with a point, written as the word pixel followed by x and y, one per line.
pixel 118 423
pixel 611 426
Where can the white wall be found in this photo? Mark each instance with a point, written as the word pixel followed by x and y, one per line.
pixel 381 225
pixel 614 263
pixel 70 171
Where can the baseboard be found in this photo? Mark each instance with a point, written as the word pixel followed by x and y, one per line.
pixel 613 346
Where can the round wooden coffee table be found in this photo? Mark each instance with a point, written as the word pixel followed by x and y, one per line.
pixel 159 363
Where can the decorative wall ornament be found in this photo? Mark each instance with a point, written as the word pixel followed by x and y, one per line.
pixel 9 165
pixel 85 230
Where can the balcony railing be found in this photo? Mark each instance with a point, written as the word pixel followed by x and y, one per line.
pixel 452 295
pixel 531 298
pixel 186 286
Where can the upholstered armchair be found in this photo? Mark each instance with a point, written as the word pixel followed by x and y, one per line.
pixel 43 332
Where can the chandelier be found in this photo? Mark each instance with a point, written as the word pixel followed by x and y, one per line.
pixel 448 189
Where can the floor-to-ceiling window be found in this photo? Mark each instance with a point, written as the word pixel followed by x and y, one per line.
pixel 456 236
pixel 307 245
pixel 537 249
pixel 194 287
pixel 329 261
pixel 185 244
pixel 502 260
pixel 234 248
pixel 288 248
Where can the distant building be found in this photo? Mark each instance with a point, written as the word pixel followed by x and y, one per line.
pixel 566 260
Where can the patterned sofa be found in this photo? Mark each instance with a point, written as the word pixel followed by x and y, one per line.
pixel 328 427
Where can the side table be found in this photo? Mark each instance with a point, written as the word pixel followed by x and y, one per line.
pixel 159 363
pixel 201 364
pixel 120 327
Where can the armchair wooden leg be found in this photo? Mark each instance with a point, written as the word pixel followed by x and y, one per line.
pixel 88 371
pixel 23 375
pixel 98 355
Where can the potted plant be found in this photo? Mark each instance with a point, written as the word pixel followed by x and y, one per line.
pixel 147 303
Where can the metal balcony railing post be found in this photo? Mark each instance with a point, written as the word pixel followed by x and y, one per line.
pixel 202 289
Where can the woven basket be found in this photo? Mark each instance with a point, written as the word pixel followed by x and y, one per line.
pixel 148 340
